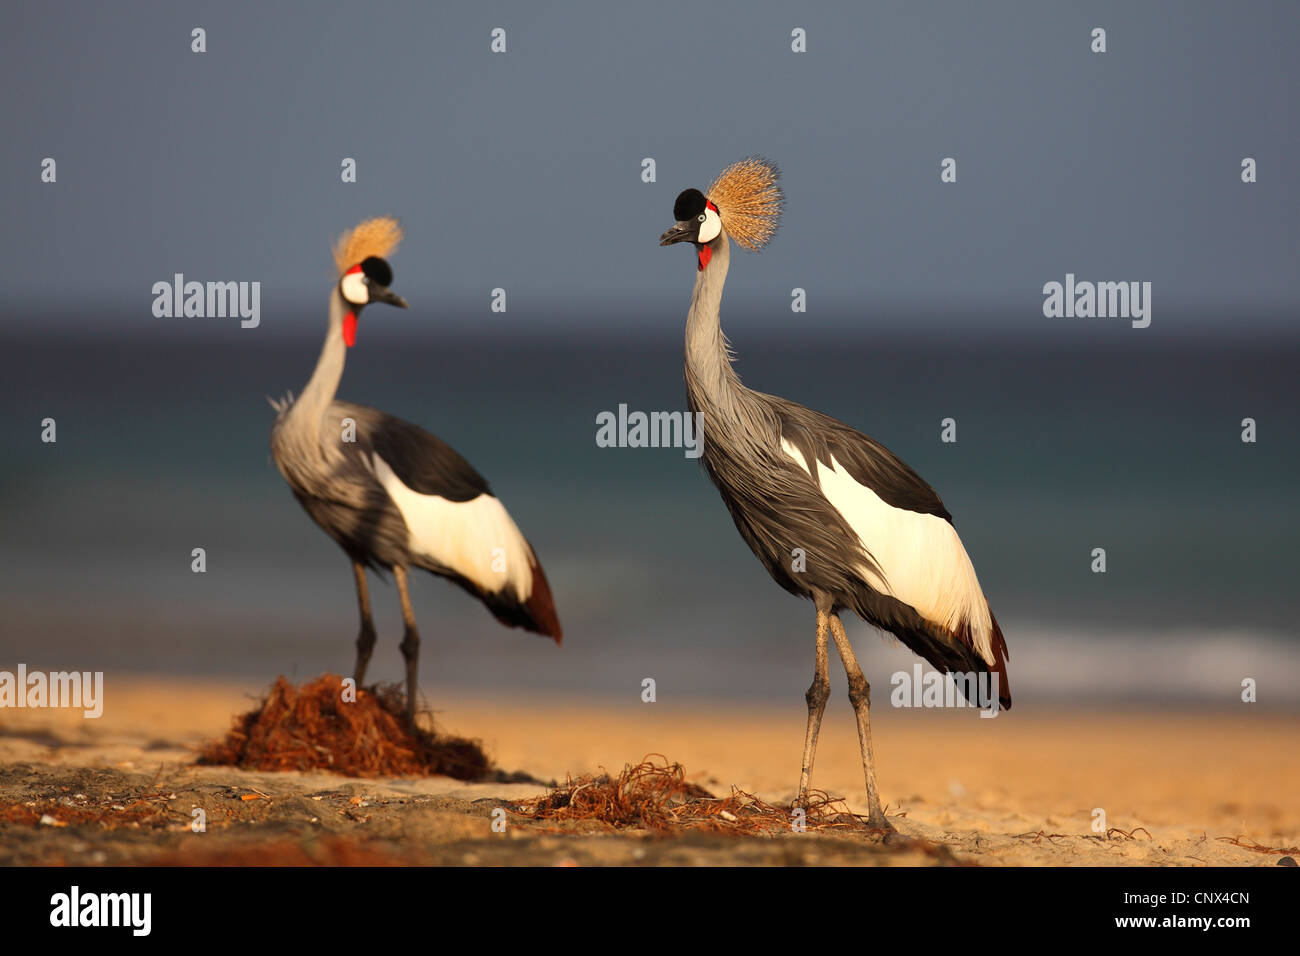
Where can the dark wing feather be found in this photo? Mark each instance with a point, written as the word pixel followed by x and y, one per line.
pixel 429 466
pixel 870 463
pixel 424 462
pixel 874 466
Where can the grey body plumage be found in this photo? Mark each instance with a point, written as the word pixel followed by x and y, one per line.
pixel 326 473
pixel 779 507
pixel 365 476
pixel 343 496
pixel 770 460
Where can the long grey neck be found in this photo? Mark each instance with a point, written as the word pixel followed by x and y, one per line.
pixel 711 382
pixel 307 415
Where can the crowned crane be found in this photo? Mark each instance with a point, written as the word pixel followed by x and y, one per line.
pixel 388 492
pixel 833 515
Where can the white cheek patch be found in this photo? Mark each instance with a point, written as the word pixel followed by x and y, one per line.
pixel 354 288
pixel 711 226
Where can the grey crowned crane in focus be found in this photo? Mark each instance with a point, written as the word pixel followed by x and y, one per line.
pixel 873 537
pixel 388 492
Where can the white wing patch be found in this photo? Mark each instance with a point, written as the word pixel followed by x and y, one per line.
pixel 922 558
pixel 477 538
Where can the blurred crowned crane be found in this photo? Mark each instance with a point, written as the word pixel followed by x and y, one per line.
pixel 388 492
pixel 833 515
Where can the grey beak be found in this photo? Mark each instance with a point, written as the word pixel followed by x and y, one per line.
pixel 379 293
pixel 680 232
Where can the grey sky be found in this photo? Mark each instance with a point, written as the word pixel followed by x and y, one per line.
pixel 522 170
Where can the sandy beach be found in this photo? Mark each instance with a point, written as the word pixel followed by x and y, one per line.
pixel 1021 789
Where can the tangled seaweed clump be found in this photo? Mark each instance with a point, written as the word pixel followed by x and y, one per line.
pixel 655 795
pixel 319 727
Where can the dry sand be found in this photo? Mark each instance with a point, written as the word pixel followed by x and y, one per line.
pixel 1020 789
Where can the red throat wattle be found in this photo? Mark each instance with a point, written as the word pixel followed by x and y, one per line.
pixel 350 329
pixel 706 253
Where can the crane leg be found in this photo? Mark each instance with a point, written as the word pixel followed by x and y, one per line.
pixel 860 696
pixel 366 639
pixel 818 693
pixel 410 644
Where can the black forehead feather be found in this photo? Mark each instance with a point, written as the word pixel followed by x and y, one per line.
pixel 377 271
pixel 689 204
